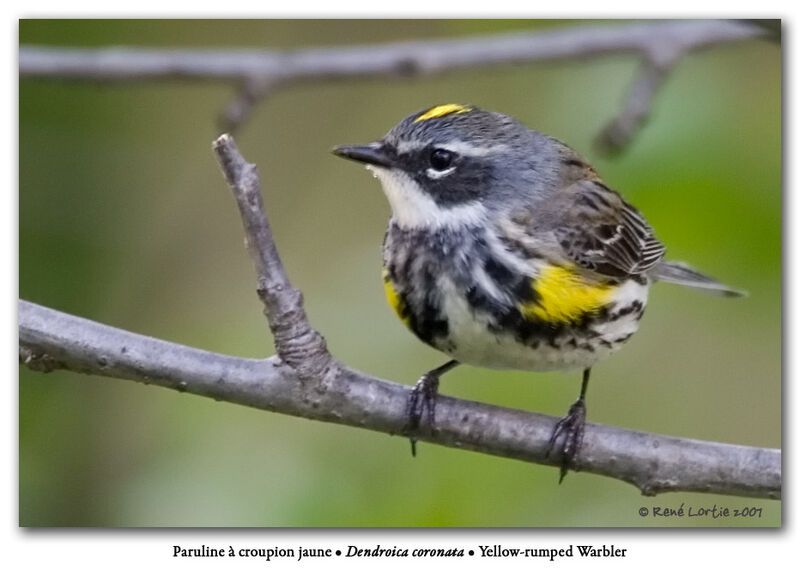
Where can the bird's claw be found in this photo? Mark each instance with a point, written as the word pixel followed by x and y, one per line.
pixel 572 427
pixel 421 399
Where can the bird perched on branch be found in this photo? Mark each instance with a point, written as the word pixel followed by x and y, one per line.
pixel 506 250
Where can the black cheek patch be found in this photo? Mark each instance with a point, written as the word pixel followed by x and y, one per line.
pixel 468 182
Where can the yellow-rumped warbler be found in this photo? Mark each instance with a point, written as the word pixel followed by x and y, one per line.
pixel 505 249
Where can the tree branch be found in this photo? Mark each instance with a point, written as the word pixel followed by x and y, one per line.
pixel 304 380
pixel 261 72
pixel 51 340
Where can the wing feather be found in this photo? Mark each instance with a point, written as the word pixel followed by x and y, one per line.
pixel 599 230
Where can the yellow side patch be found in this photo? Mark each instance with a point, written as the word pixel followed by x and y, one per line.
pixel 442 110
pixel 393 298
pixel 564 296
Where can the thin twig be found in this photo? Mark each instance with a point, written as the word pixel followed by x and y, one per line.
pixel 303 379
pixel 262 72
pixel 297 344
pixel 252 91
pixel 652 73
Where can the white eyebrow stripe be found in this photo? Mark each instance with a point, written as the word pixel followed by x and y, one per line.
pixel 468 149
pixel 458 147
pixel 408 146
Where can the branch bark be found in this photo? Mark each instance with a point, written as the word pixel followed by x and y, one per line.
pixel 51 340
pixel 304 380
pixel 261 73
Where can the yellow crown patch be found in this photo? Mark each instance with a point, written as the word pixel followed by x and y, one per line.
pixel 443 110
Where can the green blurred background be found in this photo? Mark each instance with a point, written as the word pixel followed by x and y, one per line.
pixel 125 219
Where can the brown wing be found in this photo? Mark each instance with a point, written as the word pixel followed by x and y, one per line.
pixel 598 230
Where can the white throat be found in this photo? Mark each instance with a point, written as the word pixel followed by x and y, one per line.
pixel 413 208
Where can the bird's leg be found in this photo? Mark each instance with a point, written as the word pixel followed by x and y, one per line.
pixel 423 397
pixel 571 426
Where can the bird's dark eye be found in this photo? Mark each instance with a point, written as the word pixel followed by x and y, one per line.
pixel 441 159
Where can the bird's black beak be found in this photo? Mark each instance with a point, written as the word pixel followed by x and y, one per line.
pixel 374 154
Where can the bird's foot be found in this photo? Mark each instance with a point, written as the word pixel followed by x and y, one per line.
pixel 572 427
pixel 421 399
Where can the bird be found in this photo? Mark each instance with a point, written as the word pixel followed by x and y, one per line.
pixel 506 250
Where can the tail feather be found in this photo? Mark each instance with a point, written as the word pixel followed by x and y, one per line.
pixel 682 274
